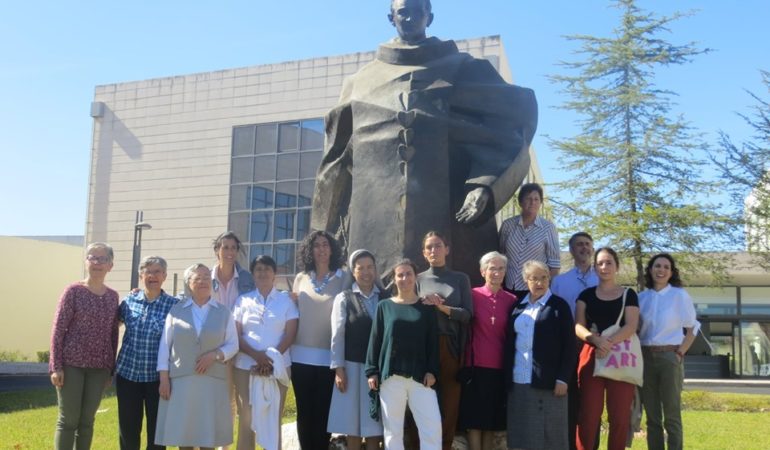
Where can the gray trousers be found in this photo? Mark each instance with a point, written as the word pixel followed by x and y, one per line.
pixel 78 400
pixel 662 399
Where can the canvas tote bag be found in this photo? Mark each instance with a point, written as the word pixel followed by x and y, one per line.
pixel 624 362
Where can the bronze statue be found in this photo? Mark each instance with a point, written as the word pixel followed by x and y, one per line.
pixel 423 138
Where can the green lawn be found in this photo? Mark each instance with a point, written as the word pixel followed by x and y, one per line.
pixel 28 418
pixel 712 421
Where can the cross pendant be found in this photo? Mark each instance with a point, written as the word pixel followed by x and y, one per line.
pixel 493 320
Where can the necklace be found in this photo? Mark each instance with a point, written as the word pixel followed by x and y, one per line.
pixel 493 301
pixel 318 288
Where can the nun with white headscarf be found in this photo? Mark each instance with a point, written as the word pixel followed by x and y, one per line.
pixel 351 319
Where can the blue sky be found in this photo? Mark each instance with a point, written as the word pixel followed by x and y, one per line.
pixel 52 54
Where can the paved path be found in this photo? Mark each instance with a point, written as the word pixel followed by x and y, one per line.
pixel 24 382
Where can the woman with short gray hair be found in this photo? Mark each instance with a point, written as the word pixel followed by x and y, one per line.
pixel 199 336
pixel 143 313
pixel 540 358
pixel 482 402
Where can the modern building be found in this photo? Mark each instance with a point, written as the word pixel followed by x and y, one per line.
pixel 238 149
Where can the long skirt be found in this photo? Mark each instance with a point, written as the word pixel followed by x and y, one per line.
pixel 197 414
pixel 537 420
pixel 349 411
pixel 482 402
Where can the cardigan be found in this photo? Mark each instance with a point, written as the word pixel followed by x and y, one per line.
pixel 553 347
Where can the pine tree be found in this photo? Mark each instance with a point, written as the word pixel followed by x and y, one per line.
pixel 636 167
pixel 745 169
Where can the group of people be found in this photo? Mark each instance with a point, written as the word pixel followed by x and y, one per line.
pixel 414 360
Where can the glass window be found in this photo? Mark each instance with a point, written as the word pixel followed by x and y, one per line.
pixel 755 300
pixel 243 140
pixel 239 223
pixel 267 138
pixel 259 249
pixel 271 188
pixel 284 258
pixel 239 197
pixel 260 227
pixel 305 197
pixel 309 163
pixel 312 134
pixel 714 300
pixel 284 225
pixel 242 170
pixel 286 194
pixel 262 196
pixel 303 223
pixel 288 137
pixel 755 338
pixel 287 166
pixel 264 168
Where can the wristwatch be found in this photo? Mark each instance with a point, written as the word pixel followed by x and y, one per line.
pixel 219 355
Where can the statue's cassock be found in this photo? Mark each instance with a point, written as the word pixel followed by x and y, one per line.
pixel 416 130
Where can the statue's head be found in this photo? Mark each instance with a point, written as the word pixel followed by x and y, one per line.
pixel 411 18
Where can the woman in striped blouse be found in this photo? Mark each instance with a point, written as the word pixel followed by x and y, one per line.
pixel 528 237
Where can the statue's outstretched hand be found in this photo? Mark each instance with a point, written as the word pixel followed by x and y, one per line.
pixel 475 203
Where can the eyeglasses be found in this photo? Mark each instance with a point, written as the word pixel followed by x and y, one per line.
pixel 537 279
pixel 98 259
pixel 154 273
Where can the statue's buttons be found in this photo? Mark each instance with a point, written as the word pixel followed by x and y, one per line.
pixel 406 152
pixel 406 118
pixel 406 136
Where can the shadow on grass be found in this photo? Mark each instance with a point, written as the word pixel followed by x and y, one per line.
pixel 32 399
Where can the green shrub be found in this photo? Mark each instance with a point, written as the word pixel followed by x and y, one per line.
pixel 12 356
pixel 44 356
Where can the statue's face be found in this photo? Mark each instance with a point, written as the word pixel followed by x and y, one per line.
pixel 411 18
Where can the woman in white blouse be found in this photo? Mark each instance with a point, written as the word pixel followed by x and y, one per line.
pixel 199 336
pixel 266 319
pixel 665 311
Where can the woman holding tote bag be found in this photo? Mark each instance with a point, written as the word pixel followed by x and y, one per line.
pixel 597 310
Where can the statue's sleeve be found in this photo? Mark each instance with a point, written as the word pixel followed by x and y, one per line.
pixel 333 181
pixel 493 124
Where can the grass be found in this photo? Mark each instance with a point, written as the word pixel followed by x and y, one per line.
pixel 28 418
pixel 711 430
pixel 712 421
pixel 719 421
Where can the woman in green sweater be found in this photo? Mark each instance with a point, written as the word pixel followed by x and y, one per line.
pixel 402 361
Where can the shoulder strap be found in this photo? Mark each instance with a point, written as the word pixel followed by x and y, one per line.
pixel 622 307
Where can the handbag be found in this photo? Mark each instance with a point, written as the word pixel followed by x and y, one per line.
pixel 624 361
pixel 465 374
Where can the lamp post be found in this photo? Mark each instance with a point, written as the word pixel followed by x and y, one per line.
pixel 138 227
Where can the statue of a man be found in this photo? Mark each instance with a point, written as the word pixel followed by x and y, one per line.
pixel 423 138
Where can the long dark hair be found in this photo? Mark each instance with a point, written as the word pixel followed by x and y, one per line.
pixel 674 281
pixel 305 262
